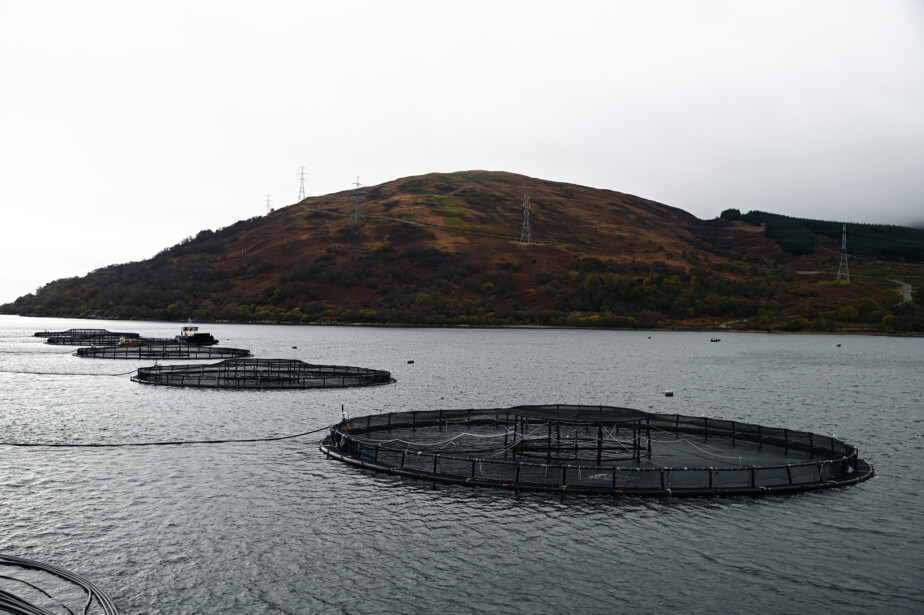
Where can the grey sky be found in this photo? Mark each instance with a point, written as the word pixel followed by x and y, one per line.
pixel 125 127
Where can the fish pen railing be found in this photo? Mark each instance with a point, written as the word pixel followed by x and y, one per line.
pixel 161 351
pixel 80 332
pixel 108 339
pixel 262 374
pixel 623 452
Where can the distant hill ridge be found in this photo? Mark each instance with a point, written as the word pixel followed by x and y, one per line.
pixel 444 248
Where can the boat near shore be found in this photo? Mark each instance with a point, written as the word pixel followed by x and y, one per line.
pixel 189 334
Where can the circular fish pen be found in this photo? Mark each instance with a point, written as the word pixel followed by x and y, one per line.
pixel 262 374
pixel 36 588
pixel 179 350
pixel 595 450
pixel 85 337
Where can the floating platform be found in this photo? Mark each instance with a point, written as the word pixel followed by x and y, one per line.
pixel 85 337
pixel 262 374
pixel 595 450
pixel 166 350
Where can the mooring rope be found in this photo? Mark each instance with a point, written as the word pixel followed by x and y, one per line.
pixel 43 352
pixel 164 443
pixel 10 371
pixel 437 443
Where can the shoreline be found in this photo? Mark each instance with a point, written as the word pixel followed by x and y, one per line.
pixel 719 329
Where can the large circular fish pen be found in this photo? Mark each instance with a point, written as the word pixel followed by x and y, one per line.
pixel 178 350
pixel 262 374
pixel 595 449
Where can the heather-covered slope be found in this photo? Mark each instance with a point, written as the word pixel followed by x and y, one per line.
pixel 445 249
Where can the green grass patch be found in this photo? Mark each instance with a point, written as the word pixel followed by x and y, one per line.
pixel 455 222
pixel 413 186
pixel 445 205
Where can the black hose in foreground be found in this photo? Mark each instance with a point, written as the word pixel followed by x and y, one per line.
pixel 13 603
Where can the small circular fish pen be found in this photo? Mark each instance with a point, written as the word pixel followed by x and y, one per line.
pixel 262 374
pixel 85 337
pixel 179 350
pixel 595 450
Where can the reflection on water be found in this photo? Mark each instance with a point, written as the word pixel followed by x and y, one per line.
pixel 276 528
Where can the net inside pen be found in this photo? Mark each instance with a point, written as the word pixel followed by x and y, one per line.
pixel 595 449
pixel 262 374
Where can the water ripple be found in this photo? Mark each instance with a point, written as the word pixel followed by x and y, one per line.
pixel 277 528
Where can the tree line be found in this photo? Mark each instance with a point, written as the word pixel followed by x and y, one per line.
pixel 797 235
pixel 426 286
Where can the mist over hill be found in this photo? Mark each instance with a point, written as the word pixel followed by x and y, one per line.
pixel 450 249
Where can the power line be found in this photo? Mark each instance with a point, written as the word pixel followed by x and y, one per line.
pixel 525 234
pixel 302 177
pixel 357 199
pixel 843 264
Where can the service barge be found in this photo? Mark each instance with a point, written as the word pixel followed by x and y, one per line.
pixel 189 334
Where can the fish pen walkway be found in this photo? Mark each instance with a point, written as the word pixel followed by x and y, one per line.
pixel 595 450
pixel 262 374
pixel 174 350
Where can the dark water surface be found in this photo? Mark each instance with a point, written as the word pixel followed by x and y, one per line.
pixel 275 527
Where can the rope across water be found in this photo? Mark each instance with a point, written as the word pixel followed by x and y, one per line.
pixel 10 371
pixel 163 443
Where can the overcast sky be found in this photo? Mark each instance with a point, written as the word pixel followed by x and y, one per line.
pixel 126 126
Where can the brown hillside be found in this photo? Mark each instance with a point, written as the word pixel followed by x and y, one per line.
pixel 478 215
pixel 444 248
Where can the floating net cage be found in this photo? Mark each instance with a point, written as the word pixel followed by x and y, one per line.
pixel 85 337
pixel 170 350
pixel 595 450
pixel 262 374
pixel 28 587
pixel 81 332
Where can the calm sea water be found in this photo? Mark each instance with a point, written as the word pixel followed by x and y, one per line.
pixel 275 527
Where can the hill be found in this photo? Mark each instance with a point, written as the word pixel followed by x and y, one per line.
pixel 445 249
